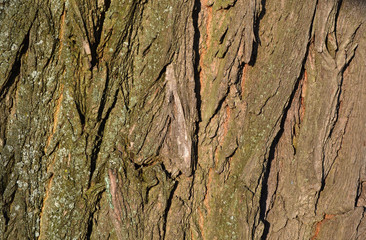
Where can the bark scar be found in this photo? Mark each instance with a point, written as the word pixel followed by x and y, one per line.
pixel 179 128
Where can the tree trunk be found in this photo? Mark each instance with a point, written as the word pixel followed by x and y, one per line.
pixel 147 119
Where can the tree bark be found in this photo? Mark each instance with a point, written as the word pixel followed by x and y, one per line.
pixel 195 119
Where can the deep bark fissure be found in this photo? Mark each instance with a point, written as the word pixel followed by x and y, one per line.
pixel 257 41
pixel 272 150
pixel 359 189
pixel 334 118
pixel 340 74
pixel 89 230
pixel 271 157
pixel 103 99
pixel 127 32
pixel 6 209
pixel 160 75
pixel 90 224
pixel 98 29
pixel 80 113
pixel 197 57
pixel 197 82
pixel 339 5
pixel 168 205
pixel 167 173
pixel 99 138
pixel 219 106
pixel 239 80
pixel 15 70
pixel 273 147
pixel 362 217
pixel 325 174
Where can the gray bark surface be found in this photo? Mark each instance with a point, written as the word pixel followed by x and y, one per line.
pixel 211 119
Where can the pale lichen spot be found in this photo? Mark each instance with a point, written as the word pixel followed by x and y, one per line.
pixel 14 47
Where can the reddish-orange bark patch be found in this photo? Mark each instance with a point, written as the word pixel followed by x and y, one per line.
pixel 201 222
pixel 14 108
pixel 205 203
pixel 47 193
pixel 116 199
pixel 303 95
pixel 227 120
pixel 245 70
pixel 209 181
pixel 55 118
pixel 319 224
pixel 346 72
pixel 204 50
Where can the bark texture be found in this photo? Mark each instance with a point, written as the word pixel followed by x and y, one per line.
pixel 194 119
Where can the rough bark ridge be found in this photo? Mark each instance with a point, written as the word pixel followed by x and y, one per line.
pixel 211 119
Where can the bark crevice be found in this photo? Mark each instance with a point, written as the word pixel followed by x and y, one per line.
pixel 16 68
pixel 257 40
pixel 168 206
pixel 273 147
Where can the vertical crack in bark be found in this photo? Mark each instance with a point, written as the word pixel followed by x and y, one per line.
pixel 197 80
pixel 15 70
pixel 99 138
pixel 196 41
pixel 98 29
pixel 80 113
pixel 336 101
pixel 271 156
pixel 257 40
pixel 89 230
pixel 272 150
pixel 339 5
pixel 218 108
pixel 90 222
pixel 92 27
pixel 168 205
pixel 267 168
pixel 103 99
pixel 359 189
pixel 7 200
pixel 10 164
pixel 326 173
pixel 359 223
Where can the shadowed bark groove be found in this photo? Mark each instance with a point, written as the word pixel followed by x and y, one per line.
pixel 197 119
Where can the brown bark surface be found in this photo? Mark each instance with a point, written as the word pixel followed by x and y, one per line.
pixel 194 119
